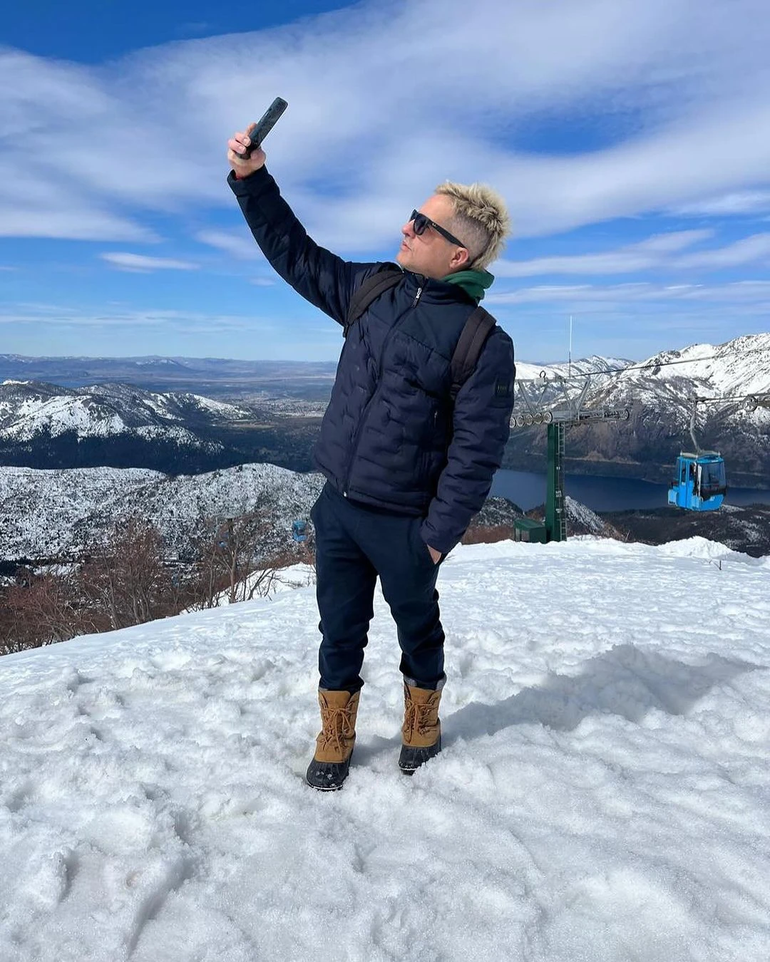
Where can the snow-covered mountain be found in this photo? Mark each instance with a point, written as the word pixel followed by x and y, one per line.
pixel 603 791
pixel 47 515
pixel 595 364
pixel 29 409
pixel 659 395
pixel 45 426
pixel 52 514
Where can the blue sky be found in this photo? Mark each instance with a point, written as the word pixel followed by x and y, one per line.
pixel 631 141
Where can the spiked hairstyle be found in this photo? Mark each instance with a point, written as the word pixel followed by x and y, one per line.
pixel 481 219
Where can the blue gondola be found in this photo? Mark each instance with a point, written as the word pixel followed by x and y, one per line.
pixel 699 484
pixel 299 530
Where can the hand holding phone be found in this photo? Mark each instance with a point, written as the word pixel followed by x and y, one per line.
pixel 266 123
pixel 244 148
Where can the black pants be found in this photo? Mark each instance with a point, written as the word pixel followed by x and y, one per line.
pixel 354 544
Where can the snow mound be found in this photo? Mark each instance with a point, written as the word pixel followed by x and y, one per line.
pixel 704 550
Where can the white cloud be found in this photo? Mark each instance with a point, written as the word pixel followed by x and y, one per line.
pixel 128 319
pixel 47 205
pixel 655 253
pixel 138 262
pixel 739 202
pixel 749 250
pixel 645 255
pixel 744 293
pixel 379 98
pixel 629 320
pixel 239 244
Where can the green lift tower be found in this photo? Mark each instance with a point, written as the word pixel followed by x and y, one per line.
pixel 550 402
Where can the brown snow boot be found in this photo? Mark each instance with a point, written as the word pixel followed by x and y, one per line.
pixel 334 744
pixel 421 731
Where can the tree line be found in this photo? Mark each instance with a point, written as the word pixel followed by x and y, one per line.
pixel 129 580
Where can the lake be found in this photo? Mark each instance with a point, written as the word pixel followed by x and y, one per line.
pixel 527 489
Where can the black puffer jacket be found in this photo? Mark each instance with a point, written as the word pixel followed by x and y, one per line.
pixel 390 436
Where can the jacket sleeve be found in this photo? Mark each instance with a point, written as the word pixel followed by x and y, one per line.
pixel 322 278
pixel 481 426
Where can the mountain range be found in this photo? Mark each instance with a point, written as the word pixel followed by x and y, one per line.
pixel 59 516
pixel 211 376
pixel 657 397
pixel 44 425
pixel 134 413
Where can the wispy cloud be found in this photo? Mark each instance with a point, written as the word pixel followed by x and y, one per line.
pixel 641 256
pixel 593 112
pixel 238 244
pixel 656 253
pixel 632 319
pixel 740 293
pixel 748 250
pixel 677 87
pixel 120 330
pixel 143 264
pixel 738 202
pixel 126 319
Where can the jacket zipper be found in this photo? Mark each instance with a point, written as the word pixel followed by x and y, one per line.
pixel 365 411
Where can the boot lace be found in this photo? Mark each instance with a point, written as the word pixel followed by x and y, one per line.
pixel 418 716
pixel 337 723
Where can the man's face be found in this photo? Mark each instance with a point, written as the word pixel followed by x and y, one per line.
pixel 430 253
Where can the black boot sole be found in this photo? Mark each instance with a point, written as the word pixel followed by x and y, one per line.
pixel 412 758
pixel 327 776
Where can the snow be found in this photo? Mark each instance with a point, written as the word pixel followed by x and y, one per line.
pixel 61 512
pixel 579 514
pixel 105 410
pixel 703 549
pixel 603 793
pixel 737 368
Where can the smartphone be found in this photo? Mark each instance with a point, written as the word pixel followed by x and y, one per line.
pixel 266 124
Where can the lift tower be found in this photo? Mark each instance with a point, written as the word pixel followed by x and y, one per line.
pixel 552 402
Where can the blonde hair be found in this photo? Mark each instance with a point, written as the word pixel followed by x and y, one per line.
pixel 481 219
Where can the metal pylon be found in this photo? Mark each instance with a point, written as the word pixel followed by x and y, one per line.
pixel 555 514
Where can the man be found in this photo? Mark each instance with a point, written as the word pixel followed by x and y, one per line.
pixel 407 465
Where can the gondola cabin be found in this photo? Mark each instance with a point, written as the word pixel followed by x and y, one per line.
pixel 699 484
pixel 299 531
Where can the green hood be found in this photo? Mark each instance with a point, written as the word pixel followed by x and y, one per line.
pixel 472 282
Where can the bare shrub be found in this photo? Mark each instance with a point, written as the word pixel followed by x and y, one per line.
pixel 232 564
pixel 40 609
pixel 487 534
pixel 125 579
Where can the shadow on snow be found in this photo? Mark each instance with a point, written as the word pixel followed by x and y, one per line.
pixel 622 681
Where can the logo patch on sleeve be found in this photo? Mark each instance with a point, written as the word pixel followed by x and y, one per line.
pixel 503 388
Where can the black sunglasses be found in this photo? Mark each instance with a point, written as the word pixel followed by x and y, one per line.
pixel 421 222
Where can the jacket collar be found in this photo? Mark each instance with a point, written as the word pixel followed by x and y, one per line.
pixel 436 292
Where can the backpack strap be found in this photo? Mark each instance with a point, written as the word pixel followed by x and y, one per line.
pixel 474 336
pixel 387 276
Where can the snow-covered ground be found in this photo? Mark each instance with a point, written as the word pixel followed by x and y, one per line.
pixel 603 794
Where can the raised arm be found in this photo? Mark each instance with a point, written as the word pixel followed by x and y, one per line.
pixel 322 278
